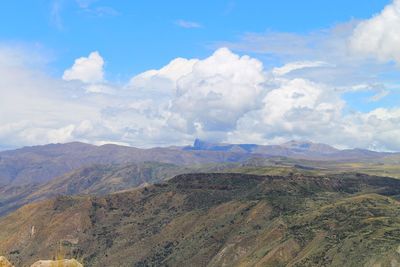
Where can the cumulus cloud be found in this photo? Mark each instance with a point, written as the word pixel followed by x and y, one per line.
pixel 86 69
pixel 204 96
pixel 224 97
pixel 35 109
pixel 377 129
pixel 230 98
pixel 218 91
pixel 166 76
pixel 294 101
pixel 379 36
pixel 293 109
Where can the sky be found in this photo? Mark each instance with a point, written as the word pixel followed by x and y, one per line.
pixel 160 73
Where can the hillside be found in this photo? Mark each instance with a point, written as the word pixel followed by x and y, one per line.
pixel 40 164
pixel 100 179
pixel 217 220
pixel 96 180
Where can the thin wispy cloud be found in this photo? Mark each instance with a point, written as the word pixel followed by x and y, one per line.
pixel 85 3
pixel 188 24
pixel 87 7
pixel 55 14
pixel 230 7
pixel 101 11
pixel 379 96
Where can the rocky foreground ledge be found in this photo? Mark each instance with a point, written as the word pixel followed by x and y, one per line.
pixel 4 262
pixel 44 263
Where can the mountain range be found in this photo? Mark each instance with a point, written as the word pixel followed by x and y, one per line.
pixel 34 173
pixel 42 163
pixel 295 204
pixel 291 149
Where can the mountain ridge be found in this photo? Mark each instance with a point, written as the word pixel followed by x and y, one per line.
pixel 39 172
pixel 217 219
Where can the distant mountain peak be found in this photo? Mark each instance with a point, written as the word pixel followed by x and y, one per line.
pixel 198 143
pixel 204 145
pixel 294 145
pixel 298 143
pixel 306 145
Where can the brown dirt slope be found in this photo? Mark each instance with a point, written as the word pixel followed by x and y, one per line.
pixel 217 220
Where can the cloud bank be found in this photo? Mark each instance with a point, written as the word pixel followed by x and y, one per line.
pixel 227 97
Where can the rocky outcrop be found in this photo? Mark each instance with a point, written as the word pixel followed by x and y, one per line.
pixel 59 263
pixel 4 262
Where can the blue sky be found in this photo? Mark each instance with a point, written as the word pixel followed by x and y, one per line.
pixel 159 73
pixel 135 36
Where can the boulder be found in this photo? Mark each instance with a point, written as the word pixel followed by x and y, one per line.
pixel 59 263
pixel 4 262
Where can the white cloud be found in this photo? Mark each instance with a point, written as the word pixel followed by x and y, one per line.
pixel 380 90
pixel 230 98
pixel 302 97
pixel 225 97
pixel 347 48
pixel 377 129
pixel 205 95
pixel 293 109
pixel 218 91
pixel 188 24
pixel 86 69
pixel 170 73
pixel 326 50
pixel 99 88
pixel 320 45
pixel 298 65
pixel 379 36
